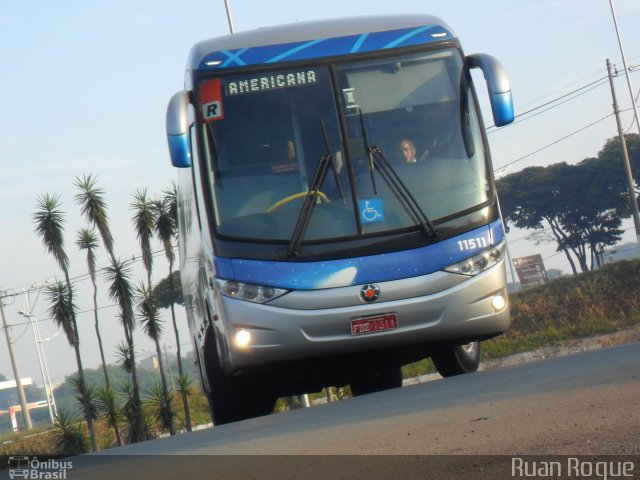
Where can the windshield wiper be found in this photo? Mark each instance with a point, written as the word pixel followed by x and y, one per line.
pixel 336 178
pixel 313 194
pixel 395 183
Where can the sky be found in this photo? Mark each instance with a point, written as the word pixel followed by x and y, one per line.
pixel 84 88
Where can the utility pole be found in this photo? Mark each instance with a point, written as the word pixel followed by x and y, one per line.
pixel 166 360
pixel 626 68
pixel 227 6
pixel 16 370
pixel 627 165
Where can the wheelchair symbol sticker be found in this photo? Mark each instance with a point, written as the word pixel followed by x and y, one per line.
pixel 371 210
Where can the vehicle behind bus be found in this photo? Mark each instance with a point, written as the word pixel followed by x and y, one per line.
pixel 338 217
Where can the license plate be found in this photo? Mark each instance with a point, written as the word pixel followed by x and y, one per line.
pixel 379 323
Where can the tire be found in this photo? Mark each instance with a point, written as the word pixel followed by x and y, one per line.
pixel 457 360
pixel 383 380
pixel 229 401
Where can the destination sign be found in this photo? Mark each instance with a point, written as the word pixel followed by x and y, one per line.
pixel 270 82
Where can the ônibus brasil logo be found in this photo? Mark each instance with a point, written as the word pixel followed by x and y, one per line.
pixel 34 469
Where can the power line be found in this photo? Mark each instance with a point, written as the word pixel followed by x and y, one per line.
pixel 553 143
pixel 597 72
pixel 598 83
pixel 572 95
pixel 74 279
pixel 10 293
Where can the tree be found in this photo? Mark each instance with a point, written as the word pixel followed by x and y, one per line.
pixel 118 275
pixel 94 208
pixel 578 203
pixel 143 221
pixel 49 226
pixel 166 211
pixel 92 395
pixel 612 152
pixel 160 406
pixel 168 291
pixel 150 321
pixel 530 197
pixel 87 240
pixel 612 156
pixel 68 435
pixel 132 412
pixel 109 409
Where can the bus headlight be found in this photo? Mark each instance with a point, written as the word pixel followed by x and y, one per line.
pixel 248 291
pixel 480 262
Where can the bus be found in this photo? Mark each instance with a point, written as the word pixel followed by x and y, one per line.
pixel 337 212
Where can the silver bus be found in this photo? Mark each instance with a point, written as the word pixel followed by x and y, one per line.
pixel 337 214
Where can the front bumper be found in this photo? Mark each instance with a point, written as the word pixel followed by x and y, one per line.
pixel 433 308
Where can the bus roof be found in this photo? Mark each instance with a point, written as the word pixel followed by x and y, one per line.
pixel 203 53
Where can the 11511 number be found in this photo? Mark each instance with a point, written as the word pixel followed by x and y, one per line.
pixel 473 243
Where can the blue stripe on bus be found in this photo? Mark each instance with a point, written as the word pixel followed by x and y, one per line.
pixel 358 270
pixel 326 47
pixel 359 42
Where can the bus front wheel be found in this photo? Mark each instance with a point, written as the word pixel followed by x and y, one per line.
pixel 230 401
pixel 457 360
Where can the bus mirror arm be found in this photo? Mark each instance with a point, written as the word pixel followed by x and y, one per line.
pixel 498 85
pixel 178 130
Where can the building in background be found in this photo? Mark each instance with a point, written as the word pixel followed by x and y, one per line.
pixel 625 251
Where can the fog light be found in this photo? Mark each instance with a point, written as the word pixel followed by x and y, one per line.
pixel 242 338
pixel 499 302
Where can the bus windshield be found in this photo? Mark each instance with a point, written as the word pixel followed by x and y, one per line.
pixel 266 133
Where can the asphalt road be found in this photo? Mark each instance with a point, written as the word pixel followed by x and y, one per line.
pixel 582 404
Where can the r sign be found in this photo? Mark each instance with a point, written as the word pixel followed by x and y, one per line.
pixel 211 100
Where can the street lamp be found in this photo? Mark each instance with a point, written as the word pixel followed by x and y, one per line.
pixel 27 313
pixel 42 362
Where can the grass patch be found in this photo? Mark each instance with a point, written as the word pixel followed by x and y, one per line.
pixel 592 303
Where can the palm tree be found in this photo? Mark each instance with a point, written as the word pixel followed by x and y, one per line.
pixel 123 359
pixel 49 226
pixel 92 395
pixel 143 220
pixel 150 321
pixel 118 275
pixel 109 409
pixel 94 208
pixel 63 313
pixel 166 212
pixel 87 240
pixel 68 435
pixel 185 383
pixel 132 411
pixel 160 406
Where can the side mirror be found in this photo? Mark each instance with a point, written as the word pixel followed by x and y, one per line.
pixel 178 130
pixel 498 85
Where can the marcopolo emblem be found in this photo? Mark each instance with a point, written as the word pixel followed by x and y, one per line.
pixel 369 293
